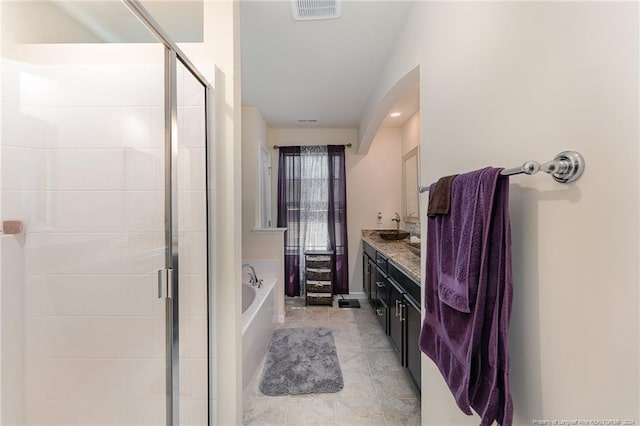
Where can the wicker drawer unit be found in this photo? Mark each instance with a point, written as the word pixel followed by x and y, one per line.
pixel 319 278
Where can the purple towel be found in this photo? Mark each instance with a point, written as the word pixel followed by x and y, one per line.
pixel 468 293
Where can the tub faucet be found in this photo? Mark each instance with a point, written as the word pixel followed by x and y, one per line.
pixel 397 221
pixel 253 278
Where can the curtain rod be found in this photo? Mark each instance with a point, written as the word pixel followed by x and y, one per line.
pixel 348 145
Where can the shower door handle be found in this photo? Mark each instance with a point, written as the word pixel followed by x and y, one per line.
pixel 165 278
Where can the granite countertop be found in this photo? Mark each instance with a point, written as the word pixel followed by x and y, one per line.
pixel 396 251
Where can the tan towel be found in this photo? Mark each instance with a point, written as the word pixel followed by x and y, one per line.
pixel 440 199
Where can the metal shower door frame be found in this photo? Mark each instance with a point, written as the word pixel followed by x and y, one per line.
pixel 168 284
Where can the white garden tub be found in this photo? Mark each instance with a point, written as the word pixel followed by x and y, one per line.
pixel 257 327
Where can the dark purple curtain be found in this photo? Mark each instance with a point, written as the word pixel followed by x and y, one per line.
pixel 289 215
pixel 337 218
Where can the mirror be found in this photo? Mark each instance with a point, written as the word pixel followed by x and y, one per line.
pixel 410 173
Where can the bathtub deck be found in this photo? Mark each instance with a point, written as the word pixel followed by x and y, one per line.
pixel 376 389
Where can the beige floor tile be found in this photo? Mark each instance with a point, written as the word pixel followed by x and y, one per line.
pixel 294 315
pixel 316 315
pixel 394 384
pixel 265 411
pixel 359 387
pixel 315 323
pixel 384 361
pixel 349 412
pixel 311 411
pixel 375 342
pixel 401 411
pixel 354 360
pixel 290 324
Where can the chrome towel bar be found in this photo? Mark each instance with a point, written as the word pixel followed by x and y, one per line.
pixel 565 167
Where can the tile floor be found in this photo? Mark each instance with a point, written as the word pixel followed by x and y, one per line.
pixel 376 389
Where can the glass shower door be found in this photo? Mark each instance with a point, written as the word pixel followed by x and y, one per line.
pixel 83 331
pixel 103 296
pixel 83 169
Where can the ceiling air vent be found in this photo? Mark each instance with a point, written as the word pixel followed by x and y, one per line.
pixel 307 121
pixel 311 10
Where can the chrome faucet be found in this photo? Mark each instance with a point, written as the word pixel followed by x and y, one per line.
pixel 253 278
pixel 397 221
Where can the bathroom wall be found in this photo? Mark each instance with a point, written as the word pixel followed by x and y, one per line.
pixel 12 332
pixel 259 243
pixel 505 82
pixel 12 283
pixel 374 182
pixel 221 47
pixel 411 133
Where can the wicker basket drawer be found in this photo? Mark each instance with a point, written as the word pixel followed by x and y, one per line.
pixel 319 274
pixel 318 262
pixel 318 286
pixel 319 299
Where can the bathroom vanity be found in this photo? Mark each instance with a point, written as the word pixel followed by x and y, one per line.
pixel 391 281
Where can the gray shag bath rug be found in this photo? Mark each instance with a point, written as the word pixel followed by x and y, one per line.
pixel 301 360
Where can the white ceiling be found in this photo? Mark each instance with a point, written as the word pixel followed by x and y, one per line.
pixel 315 69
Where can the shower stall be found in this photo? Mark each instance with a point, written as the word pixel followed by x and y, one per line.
pixel 105 312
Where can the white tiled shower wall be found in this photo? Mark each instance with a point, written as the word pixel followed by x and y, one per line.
pixel 82 166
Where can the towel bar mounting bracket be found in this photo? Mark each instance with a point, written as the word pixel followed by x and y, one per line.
pixel 570 166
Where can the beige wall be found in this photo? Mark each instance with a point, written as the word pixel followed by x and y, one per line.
pixel 411 133
pixel 374 184
pixel 502 83
pixel 258 243
pixel 222 47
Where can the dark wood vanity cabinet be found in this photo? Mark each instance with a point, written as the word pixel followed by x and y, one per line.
pixel 395 298
pixel 395 322
pixel 413 324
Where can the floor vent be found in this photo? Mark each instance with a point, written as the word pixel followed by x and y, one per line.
pixel 311 10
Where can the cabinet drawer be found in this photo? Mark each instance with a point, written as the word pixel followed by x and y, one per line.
pixel 318 262
pixel 318 286
pixel 319 274
pixel 319 298
pixel 382 262
pixel 369 251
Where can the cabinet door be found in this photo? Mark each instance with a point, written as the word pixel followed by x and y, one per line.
pixel 372 281
pixel 395 323
pixel 382 313
pixel 366 275
pixel 411 313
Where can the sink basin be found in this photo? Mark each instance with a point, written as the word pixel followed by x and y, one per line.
pixel 414 248
pixel 392 234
